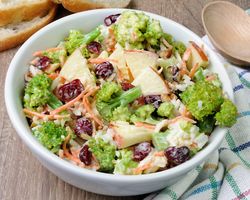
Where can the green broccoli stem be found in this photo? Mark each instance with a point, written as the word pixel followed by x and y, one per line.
pixel 126 97
pixel 91 36
pixel 123 100
pixel 54 102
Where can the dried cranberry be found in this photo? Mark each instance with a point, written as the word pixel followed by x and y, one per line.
pixel 141 151
pixel 111 19
pixel 85 155
pixel 83 126
pixel 153 99
pixel 70 90
pixel 104 70
pixel 126 86
pixel 43 62
pixel 94 47
pixel 177 155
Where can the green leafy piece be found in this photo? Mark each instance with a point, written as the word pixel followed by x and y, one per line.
pixel 143 114
pixel 227 115
pixel 124 164
pixel 160 140
pixel 76 38
pixel 85 52
pixel 37 92
pixel 207 125
pixel 50 135
pixel 202 99
pixel 121 113
pixel 111 96
pixel 104 153
pixel 166 109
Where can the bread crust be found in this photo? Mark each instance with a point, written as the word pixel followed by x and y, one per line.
pixel 81 5
pixel 22 35
pixel 24 12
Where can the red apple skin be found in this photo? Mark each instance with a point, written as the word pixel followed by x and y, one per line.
pixel 200 51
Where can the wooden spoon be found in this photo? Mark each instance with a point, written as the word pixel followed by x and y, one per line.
pixel 228 28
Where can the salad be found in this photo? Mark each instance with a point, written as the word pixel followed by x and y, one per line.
pixel 125 98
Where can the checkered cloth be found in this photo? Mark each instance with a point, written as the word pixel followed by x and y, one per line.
pixel 226 175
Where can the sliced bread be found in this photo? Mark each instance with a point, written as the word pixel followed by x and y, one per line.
pixel 14 11
pixel 80 5
pixel 14 34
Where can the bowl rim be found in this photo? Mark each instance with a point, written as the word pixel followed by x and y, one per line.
pixel 38 149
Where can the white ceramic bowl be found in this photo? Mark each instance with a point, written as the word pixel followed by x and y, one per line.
pixel 97 182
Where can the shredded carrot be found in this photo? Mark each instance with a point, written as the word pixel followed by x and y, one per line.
pixel 43 116
pixel 87 105
pixel 53 76
pixel 186 55
pixel 146 125
pixel 193 70
pixel 181 117
pixel 40 53
pixel 186 113
pixel 140 169
pixel 159 153
pixel 70 103
pixel 101 60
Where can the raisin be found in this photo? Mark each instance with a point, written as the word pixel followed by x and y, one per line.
pixel 141 151
pixel 43 62
pixel 104 70
pixel 94 47
pixel 70 90
pixel 83 126
pixel 153 99
pixel 177 155
pixel 126 86
pixel 85 155
pixel 111 19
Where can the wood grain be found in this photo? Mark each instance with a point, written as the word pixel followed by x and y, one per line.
pixel 22 177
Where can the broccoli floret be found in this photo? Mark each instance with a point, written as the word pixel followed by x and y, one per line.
pixel 154 32
pixel 166 109
pixel 50 135
pixel 121 113
pixel 143 114
pixel 111 96
pixel 202 99
pixel 125 164
pixel 207 124
pixel 227 114
pixel 135 29
pixel 55 55
pixel 179 46
pixel 76 38
pixel 104 153
pixel 160 140
pixel 37 91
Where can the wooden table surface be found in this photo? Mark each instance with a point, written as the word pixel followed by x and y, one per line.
pixel 21 175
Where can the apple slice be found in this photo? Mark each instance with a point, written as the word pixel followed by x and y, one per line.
pixel 197 56
pixel 126 135
pixel 121 66
pixel 76 67
pixel 138 60
pixel 151 82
